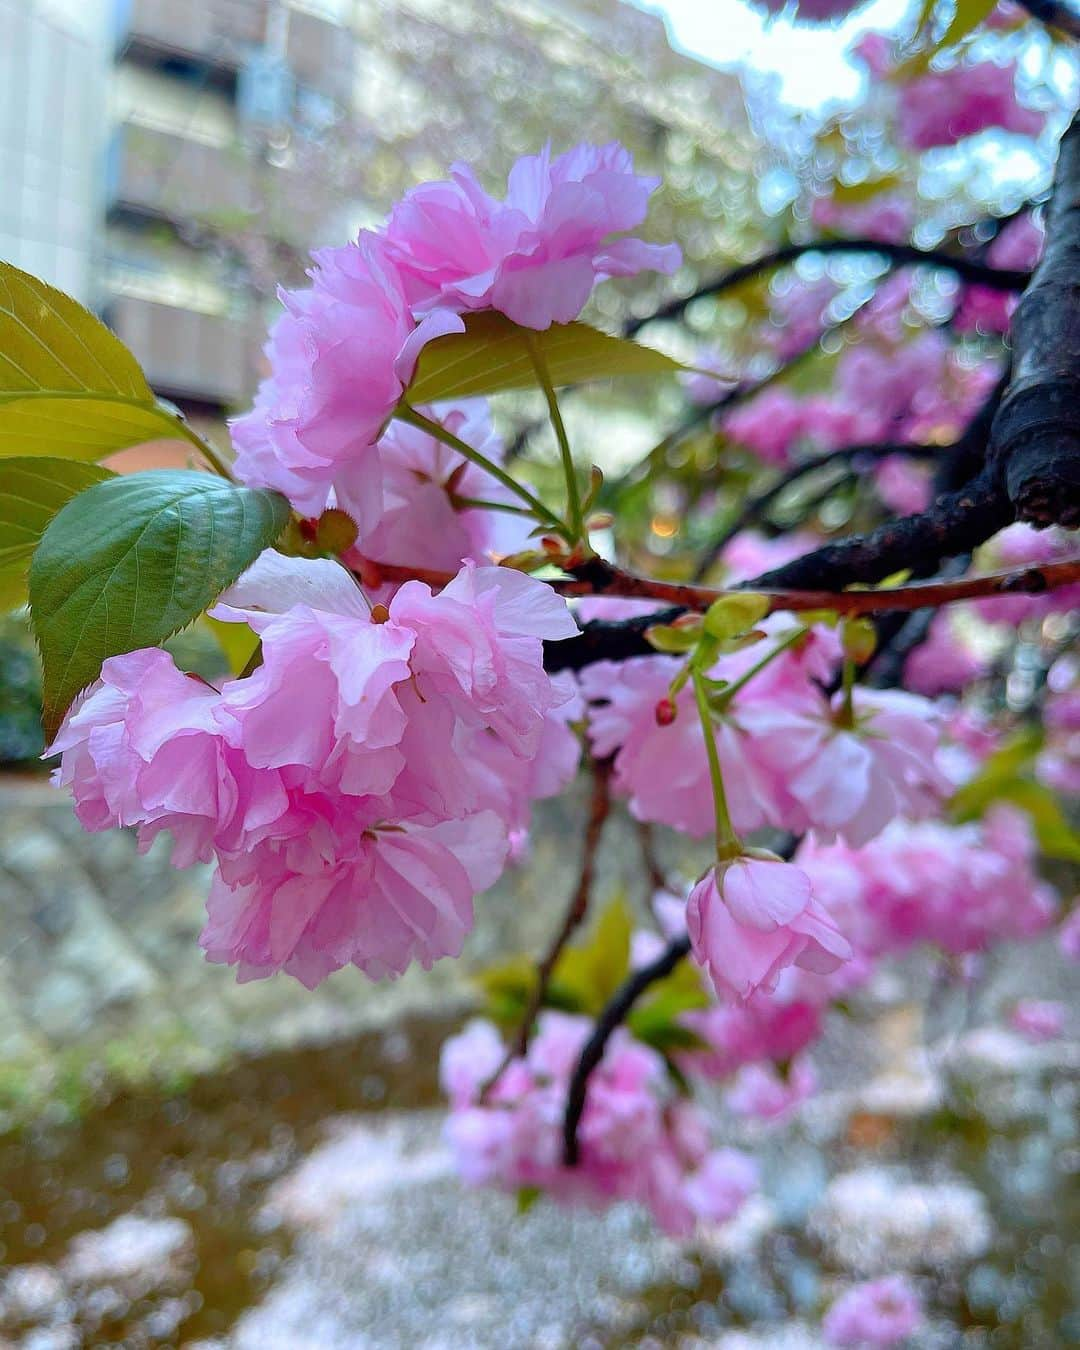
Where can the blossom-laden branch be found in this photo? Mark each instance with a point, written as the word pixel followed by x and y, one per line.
pixel 599 810
pixel 612 1017
pixel 861 559
pixel 898 255
pixel 1035 437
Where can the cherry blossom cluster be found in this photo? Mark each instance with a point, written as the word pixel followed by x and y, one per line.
pixel 790 760
pixel 343 351
pixel 960 888
pixel 361 785
pixel 638 1139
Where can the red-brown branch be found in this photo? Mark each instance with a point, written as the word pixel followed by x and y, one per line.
pixel 599 809
pixel 601 578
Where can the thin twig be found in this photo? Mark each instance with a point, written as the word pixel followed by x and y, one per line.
pixel 612 1017
pixel 599 809
pixel 754 507
pixel 898 255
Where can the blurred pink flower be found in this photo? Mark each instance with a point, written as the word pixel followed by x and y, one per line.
pixel 879 1313
pixel 943 107
pixel 1038 1019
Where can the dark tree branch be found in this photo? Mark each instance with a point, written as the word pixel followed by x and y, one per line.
pixel 899 255
pixel 613 1016
pixel 960 517
pixel 1035 438
pixel 1055 14
pixel 956 523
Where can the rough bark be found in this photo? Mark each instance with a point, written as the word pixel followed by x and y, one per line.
pixel 1035 439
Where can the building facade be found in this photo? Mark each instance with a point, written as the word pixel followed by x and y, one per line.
pixel 202 147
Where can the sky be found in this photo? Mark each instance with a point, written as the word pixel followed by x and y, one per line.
pixel 809 59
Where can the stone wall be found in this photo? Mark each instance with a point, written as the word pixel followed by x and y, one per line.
pixel 98 945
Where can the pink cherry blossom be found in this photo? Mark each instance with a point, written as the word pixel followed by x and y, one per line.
pixel 721 1185
pixel 340 357
pixel 853 780
pixel 903 485
pixel 1069 936
pixel 1021 545
pixel 797 316
pixel 812 11
pixel 637 1140
pixel 943 663
pixel 1039 1019
pixel 750 553
pixel 404 895
pixel 709 388
pixel 537 254
pixel 663 770
pixel 942 107
pixel 423 519
pixel 878 1313
pixel 888 217
pixel 770 425
pixel 962 888
pixel 1018 246
pixel 334 785
pixel 766 1093
pixel 752 916
pixel 874 50
pixel 765 1026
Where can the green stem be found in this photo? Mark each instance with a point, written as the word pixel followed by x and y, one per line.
pixel 206 450
pixel 728 844
pixel 846 716
pixel 789 640
pixel 408 414
pixel 576 522
pixel 480 504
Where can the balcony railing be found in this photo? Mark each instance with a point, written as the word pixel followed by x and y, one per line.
pixel 223 33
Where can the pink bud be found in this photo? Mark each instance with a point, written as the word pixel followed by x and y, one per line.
pixel 665 712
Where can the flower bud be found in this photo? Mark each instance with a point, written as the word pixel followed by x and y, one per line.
pixel 665 712
pixel 336 531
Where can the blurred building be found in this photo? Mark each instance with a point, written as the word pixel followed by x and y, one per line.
pixel 206 98
pixel 52 87
pixel 175 159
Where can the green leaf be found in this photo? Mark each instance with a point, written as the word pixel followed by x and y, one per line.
pixel 587 975
pixel 967 16
pixel 69 387
pixel 1055 836
pixel 507 988
pixel 49 342
pixel 493 355
pixel 527 1196
pixel 83 426
pixel 672 640
pixel 236 640
pixel 1001 770
pixel 733 615
pixel 32 492
pixel 131 561
pixel 854 194
pixel 12 587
